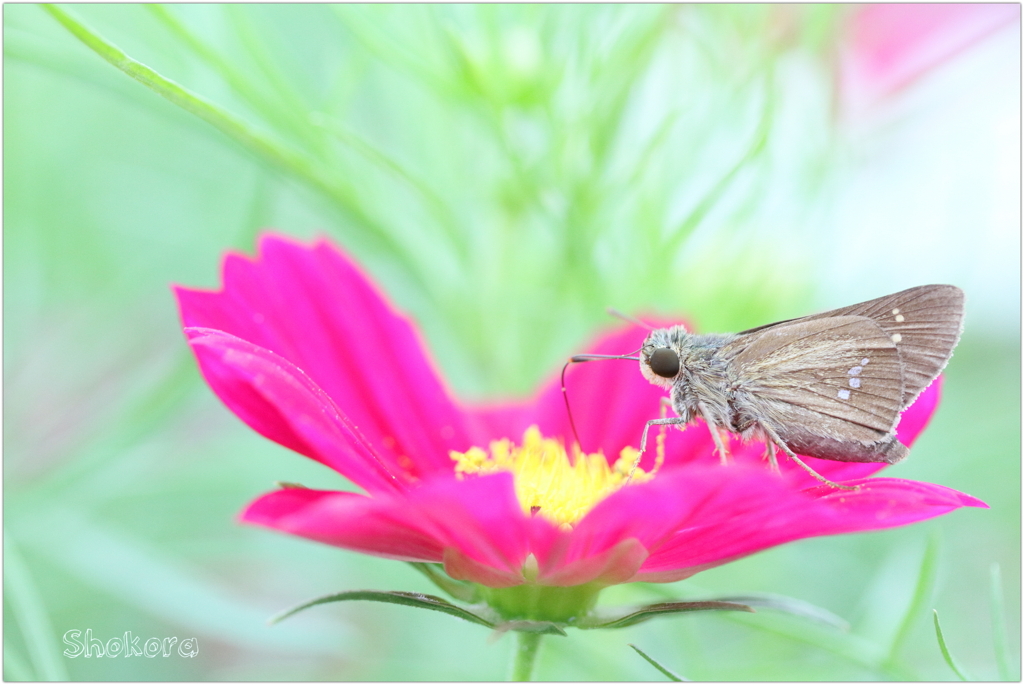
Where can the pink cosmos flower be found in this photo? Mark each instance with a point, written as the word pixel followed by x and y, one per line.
pixel 300 345
pixel 886 47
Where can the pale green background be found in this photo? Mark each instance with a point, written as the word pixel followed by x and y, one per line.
pixel 501 171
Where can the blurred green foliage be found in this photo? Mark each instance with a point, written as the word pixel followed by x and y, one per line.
pixel 501 170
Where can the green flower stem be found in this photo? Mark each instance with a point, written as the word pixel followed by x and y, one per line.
pixel 526 654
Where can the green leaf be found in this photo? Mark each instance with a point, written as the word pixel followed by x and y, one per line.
pixel 668 674
pixel 848 646
pixel 662 608
pixel 458 589
pixel 409 599
pixel 945 651
pixel 789 605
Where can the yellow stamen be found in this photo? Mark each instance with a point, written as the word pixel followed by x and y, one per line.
pixel 547 482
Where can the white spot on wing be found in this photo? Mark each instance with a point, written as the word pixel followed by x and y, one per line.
pixel 844 394
pixel 899 318
pixel 855 371
pixel 854 382
pixel 895 311
pixel 896 337
pixel 864 361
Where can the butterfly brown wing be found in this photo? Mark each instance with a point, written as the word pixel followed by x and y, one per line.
pixel 924 323
pixel 828 387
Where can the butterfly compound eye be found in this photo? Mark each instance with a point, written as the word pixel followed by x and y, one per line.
pixel 664 362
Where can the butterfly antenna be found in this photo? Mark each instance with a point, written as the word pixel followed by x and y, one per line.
pixel 630 319
pixel 595 357
pixel 565 393
pixel 568 411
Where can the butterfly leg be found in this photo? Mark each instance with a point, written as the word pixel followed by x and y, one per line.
pixel 660 440
pixel 769 451
pixel 670 421
pixel 716 435
pixel 785 448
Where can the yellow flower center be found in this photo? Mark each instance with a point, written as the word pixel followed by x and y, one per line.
pixel 550 484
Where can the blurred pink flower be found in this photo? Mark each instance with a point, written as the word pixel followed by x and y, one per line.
pixel 888 46
pixel 301 346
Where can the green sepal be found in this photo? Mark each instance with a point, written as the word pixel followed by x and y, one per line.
pixel 667 673
pixel 457 589
pixel 543 603
pixel 410 599
pixel 523 626
pixel 660 609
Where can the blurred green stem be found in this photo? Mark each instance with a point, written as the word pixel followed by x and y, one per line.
pixel 184 98
pixel 944 649
pixel 923 591
pixel 29 611
pixel 297 164
pixel 998 629
pixel 526 654
pixel 667 673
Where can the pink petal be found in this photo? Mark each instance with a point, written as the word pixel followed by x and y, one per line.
pixel 476 527
pixel 652 514
pixel 765 517
pixel 481 517
pixel 888 46
pixel 888 502
pixel 313 307
pixel 345 519
pixel 462 567
pixel 714 498
pixel 279 402
pixel 497 421
pixel 614 565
